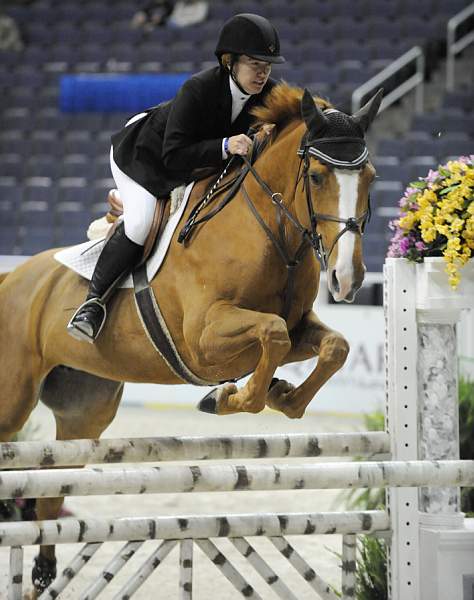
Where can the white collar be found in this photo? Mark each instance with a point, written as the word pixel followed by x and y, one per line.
pixel 238 96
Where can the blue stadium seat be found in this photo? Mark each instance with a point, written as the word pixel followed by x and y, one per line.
pixel 392 147
pixel 220 12
pixel 450 147
pixel 13 141
pixel 382 28
pixel 12 165
pixel 40 189
pixel 42 165
pixel 96 32
pixel 314 29
pixel 36 32
pixel 347 28
pixel 350 73
pixel 18 118
pixel 72 214
pixel 319 54
pixel 375 8
pixel 66 32
pixel 36 213
pixel 352 51
pixel 311 9
pixel 33 239
pixel 422 147
pixel 76 165
pixel 419 166
pixel 461 100
pixel 387 193
pixel 70 235
pixel 8 237
pixel 393 172
pixel 457 122
pixel 101 167
pixel 45 140
pixel 74 194
pixel 90 122
pixel 77 142
pixel 50 118
pixel 11 195
pixel 100 192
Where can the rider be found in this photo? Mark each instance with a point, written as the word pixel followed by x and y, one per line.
pixel 159 149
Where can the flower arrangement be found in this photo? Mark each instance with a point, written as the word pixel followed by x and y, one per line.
pixel 437 217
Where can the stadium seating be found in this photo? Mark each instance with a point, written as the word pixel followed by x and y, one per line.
pixel 54 166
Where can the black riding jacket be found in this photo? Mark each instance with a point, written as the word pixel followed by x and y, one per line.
pixel 161 150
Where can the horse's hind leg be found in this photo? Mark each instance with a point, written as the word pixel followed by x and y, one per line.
pixel 83 406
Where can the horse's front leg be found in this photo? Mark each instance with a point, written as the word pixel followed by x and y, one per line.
pixel 310 338
pixel 248 337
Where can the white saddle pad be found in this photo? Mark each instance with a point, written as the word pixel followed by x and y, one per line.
pixel 82 258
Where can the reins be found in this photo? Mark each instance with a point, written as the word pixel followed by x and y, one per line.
pixel 309 237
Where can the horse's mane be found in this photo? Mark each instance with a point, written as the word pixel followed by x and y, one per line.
pixel 283 105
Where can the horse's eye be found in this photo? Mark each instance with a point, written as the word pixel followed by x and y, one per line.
pixel 316 178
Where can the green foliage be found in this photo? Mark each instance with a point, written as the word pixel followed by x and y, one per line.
pixel 369 498
pixel 372 561
pixel 371 582
pixel 466 436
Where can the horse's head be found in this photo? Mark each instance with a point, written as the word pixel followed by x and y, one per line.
pixel 337 173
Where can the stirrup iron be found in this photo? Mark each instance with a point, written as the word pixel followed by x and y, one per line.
pixel 74 328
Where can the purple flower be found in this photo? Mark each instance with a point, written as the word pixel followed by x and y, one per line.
pixel 432 176
pixel 420 246
pixel 404 245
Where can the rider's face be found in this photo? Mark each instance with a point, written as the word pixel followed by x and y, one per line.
pixel 252 74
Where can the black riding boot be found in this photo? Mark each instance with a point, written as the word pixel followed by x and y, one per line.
pixel 118 257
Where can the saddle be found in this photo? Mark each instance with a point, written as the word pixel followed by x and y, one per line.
pixel 160 218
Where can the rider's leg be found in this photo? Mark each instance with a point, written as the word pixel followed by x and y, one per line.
pixel 120 254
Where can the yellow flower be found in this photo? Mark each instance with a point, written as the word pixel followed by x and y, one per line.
pixel 454 243
pixel 407 221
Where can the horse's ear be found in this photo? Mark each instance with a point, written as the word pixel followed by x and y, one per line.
pixel 365 115
pixel 312 115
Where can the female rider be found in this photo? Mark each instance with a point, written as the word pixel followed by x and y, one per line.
pixel 159 149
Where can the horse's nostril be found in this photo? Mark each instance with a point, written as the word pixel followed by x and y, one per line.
pixel 335 282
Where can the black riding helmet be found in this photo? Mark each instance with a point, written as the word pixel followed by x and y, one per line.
pixel 252 35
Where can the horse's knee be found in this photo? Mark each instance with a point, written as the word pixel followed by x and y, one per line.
pixel 334 349
pixel 274 331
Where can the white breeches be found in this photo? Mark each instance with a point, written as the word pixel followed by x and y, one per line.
pixel 138 203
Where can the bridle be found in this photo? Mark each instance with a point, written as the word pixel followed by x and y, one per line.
pixel 355 225
pixel 310 237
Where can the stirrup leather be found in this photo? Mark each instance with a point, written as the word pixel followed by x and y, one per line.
pixel 80 334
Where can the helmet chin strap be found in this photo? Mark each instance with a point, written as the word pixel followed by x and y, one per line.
pixel 234 77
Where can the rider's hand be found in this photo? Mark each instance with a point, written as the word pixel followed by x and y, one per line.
pixel 239 144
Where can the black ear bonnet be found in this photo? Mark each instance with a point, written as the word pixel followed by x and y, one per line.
pixel 339 143
pixel 334 138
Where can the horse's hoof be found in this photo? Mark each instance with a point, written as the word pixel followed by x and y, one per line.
pixel 43 574
pixel 209 403
pixel 273 382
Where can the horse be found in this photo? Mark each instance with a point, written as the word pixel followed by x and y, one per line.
pixel 237 297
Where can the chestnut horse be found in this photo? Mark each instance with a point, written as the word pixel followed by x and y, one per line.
pixel 222 293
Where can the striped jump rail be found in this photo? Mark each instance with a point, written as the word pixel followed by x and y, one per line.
pixel 21 455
